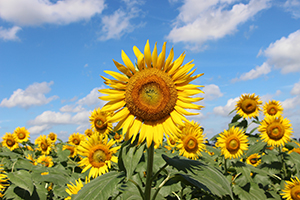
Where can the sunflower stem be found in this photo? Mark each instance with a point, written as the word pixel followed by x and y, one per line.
pixel 150 152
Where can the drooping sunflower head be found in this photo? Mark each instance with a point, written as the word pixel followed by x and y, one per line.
pixel 248 106
pixel 76 139
pixel 99 121
pixel 232 142
pixel 45 160
pixel 88 132
pixel 151 97
pixel 72 149
pixel 10 141
pixel 254 159
pixel 52 136
pixel 292 189
pixel 73 188
pixel 44 144
pixel 272 108
pixel 275 131
pixel 191 142
pixel 98 153
pixel 22 134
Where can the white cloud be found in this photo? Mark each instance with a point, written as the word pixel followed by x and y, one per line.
pixel 202 20
pixel 211 92
pixel 71 108
pixel 36 12
pixel 296 89
pixel 291 103
pixel 92 98
pixel 51 117
pixel 225 110
pixel 33 95
pixel 81 117
pixel 255 73
pixel 9 34
pixel 293 6
pixel 284 53
pixel 34 130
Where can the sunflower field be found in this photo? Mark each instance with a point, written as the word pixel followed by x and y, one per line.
pixel 141 146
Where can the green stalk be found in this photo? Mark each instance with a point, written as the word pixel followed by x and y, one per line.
pixel 150 152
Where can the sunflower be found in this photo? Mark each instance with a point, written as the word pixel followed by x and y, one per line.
pixel 22 134
pixel 272 108
pixel 72 149
pixel 52 136
pixel 45 160
pixel 99 121
pixel 232 142
pixel 74 188
pixel 248 106
pixel 297 150
pixel 152 96
pixel 3 181
pixel 10 141
pixel 172 142
pixel 98 154
pixel 44 144
pixel 292 189
pixel 191 142
pixel 88 132
pixel 76 138
pixel 275 131
pixel 30 157
pixel 118 137
pixel 254 159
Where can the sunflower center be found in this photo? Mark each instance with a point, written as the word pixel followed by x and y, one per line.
pixel 52 137
pixel 233 145
pixel 272 110
pixel 253 161
pixel 44 146
pixel 172 142
pixel 76 141
pixel 21 136
pixel 10 142
pixel 100 124
pixel 275 131
pixel 117 136
pixel 150 94
pixel 249 106
pixel 98 155
pixel 191 145
pixel 295 192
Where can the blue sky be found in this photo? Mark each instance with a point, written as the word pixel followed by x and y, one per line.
pixel 52 54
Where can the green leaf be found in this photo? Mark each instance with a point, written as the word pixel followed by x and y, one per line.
pixel 255 148
pixel 53 177
pixel 22 179
pixel 101 187
pixel 236 118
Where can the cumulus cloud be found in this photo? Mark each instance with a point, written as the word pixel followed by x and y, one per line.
pixel 10 33
pixel 296 89
pixel 225 110
pixel 201 20
pixel 293 6
pixel 33 95
pixel 211 92
pixel 36 12
pixel 71 108
pixel 254 73
pixel 51 117
pixel 34 130
pixel 92 98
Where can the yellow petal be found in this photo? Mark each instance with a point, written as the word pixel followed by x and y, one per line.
pixel 188 105
pixel 122 114
pixel 149 134
pixel 170 127
pixel 134 129
pixel 113 105
pixel 169 60
pixel 182 111
pixel 142 133
pixel 123 69
pixel 190 99
pixel 113 97
pixel 141 62
pixel 127 62
pixel 128 122
pixel 137 52
pixel 161 57
pixel 147 54
pixel 177 63
pixel 117 75
pixel 154 56
pixel 177 118
pixel 110 91
pixel 183 71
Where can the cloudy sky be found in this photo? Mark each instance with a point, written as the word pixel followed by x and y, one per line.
pixel 52 54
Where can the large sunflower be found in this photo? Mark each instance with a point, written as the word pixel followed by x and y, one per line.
pixel 98 152
pixel 99 121
pixel 272 108
pixel 22 134
pixel 45 160
pixel 10 141
pixel 275 131
pixel 254 159
pixel 232 142
pixel 152 96
pixel 76 138
pixel 248 106
pixel 44 144
pixel 292 189
pixel 191 142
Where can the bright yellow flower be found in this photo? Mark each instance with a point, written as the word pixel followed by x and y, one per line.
pixel 119 137
pixel 254 159
pixel 292 189
pixel 98 152
pixel 191 142
pixel 88 132
pixel 44 144
pixel 30 157
pixel 73 188
pixel 72 149
pixel 232 142
pixel 172 142
pixel 10 141
pixel 275 131
pixel 273 108
pixel 99 121
pixel 151 97
pixel 44 173
pixel 3 181
pixel 45 160
pixel 22 134
pixel 297 150
pixel 248 106
pixel 76 138
pixel 52 136
pixel 29 148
